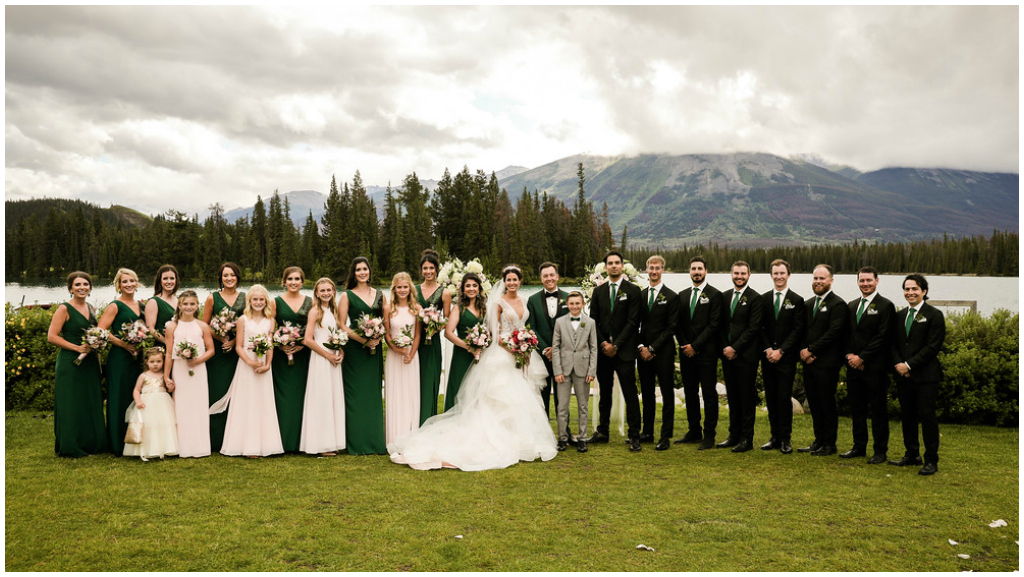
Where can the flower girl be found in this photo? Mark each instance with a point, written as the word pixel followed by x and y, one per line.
pixel 402 366
pixel 252 428
pixel 323 415
pixel 154 410
pixel 191 344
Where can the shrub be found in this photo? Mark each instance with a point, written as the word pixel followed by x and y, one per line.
pixel 981 364
pixel 30 360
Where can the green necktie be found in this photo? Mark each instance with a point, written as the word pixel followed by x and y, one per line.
pixel 612 305
pixel 778 298
pixel 910 320
pixel 693 300
pixel 860 311
pixel 650 299
pixel 732 307
pixel 817 303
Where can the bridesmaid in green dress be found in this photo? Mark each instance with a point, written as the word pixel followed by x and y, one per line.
pixel 363 366
pixel 290 377
pixel 160 309
pixel 77 393
pixel 123 365
pixel 468 312
pixel 431 294
pixel 220 369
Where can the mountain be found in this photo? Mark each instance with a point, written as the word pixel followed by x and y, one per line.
pixel 15 210
pixel 763 199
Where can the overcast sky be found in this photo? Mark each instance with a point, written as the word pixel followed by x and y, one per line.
pixel 160 108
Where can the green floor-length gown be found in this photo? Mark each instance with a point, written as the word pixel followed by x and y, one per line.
pixel 430 357
pixel 78 425
pixel 122 371
pixel 164 314
pixel 461 358
pixel 362 373
pixel 220 370
pixel 290 380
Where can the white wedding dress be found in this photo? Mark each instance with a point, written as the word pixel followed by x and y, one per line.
pixel 498 418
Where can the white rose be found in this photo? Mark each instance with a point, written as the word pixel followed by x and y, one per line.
pixel 599 269
pixel 474 266
pixel 457 279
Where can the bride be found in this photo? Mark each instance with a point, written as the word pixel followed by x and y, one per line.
pixel 498 418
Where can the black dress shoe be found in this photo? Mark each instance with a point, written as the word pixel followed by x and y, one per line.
pixel 907 461
pixel 690 437
pixel 929 469
pixel 728 442
pixel 825 451
pixel 581 446
pixel 707 443
pixel 877 459
pixel 786 448
pixel 663 444
pixel 770 445
pixel 743 446
pixel 634 445
pixel 562 445
pixel 599 437
pixel 809 448
pixel 852 453
pixel 647 438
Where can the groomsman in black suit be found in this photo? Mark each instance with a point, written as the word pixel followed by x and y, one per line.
pixel 867 366
pixel 545 307
pixel 783 329
pixel 697 333
pixel 823 355
pixel 615 308
pixel 919 332
pixel 741 331
pixel 657 349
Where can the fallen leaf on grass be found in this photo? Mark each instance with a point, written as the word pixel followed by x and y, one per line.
pixel 952 542
pixel 458 536
pixel 997 523
pixel 643 547
pixel 963 556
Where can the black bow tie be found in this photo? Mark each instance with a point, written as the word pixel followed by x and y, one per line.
pixel 548 295
pixel 574 318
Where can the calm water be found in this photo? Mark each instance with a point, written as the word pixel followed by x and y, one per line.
pixel 991 292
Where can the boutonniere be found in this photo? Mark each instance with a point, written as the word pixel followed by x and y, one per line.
pixel 871 307
pixel 743 300
pixel 822 309
pixel 788 306
pixel 703 299
pixel 871 311
pixel 583 324
pixel 623 296
pixel 920 319
pixel 661 299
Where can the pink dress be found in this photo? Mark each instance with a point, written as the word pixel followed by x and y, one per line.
pixel 401 384
pixel 323 413
pixel 191 395
pixel 251 427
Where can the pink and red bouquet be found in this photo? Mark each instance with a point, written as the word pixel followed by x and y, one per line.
pixel 371 328
pixel 135 334
pixel 520 342
pixel 477 339
pixel 223 323
pixel 288 335
pixel 433 321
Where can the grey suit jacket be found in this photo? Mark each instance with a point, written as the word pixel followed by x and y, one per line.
pixel 574 350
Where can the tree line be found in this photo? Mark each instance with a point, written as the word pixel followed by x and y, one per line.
pixel 467 215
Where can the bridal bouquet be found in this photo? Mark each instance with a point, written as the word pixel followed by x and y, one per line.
pixel 288 335
pixel 405 338
pixel 371 328
pixel 520 342
pixel 135 334
pixel 452 272
pixel 477 339
pixel 96 339
pixel 260 344
pixel 188 351
pixel 223 323
pixel 337 339
pixel 433 320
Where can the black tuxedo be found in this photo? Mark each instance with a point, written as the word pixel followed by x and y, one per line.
pixel 617 326
pixel 544 326
pixel 919 391
pixel 870 339
pixel 786 333
pixel 657 333
pixel 826 340
pixel 741 330
pixel 701 331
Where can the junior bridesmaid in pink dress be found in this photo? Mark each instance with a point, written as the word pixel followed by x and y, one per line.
pixel 186 361
pixel 402 366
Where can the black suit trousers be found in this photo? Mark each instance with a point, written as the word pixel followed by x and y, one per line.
pixel 741 392
pixel 545 393
pixel 607 368
pixel 869 396
pixel 917 405
pixel 820 384
pixel 778 397
pixel 661 368
pixel 702 374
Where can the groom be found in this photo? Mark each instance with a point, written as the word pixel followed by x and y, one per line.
pixel 545 307
pixel 615 309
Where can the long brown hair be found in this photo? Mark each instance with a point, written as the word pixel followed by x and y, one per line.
pixel 158 286
pixel 481 299
pixel 319 306
pixel 185 294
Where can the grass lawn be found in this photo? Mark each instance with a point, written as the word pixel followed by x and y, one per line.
pixel 700 511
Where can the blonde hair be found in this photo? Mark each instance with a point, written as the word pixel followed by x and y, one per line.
pixel 656 258
pixel 185 294
pixel 269 311
pixel 319 305
pixel 414 305
pixel 120 273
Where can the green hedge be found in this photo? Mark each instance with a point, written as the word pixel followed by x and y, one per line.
pixel 980 359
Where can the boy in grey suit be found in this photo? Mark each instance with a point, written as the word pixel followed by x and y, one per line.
pixel 574 360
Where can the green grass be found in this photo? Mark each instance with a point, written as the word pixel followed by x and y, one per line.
pixel 700 511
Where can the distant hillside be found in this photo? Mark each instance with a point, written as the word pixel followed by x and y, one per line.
pixel 758 199
pixel 15 210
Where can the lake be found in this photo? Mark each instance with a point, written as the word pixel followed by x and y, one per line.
pixel 991 292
